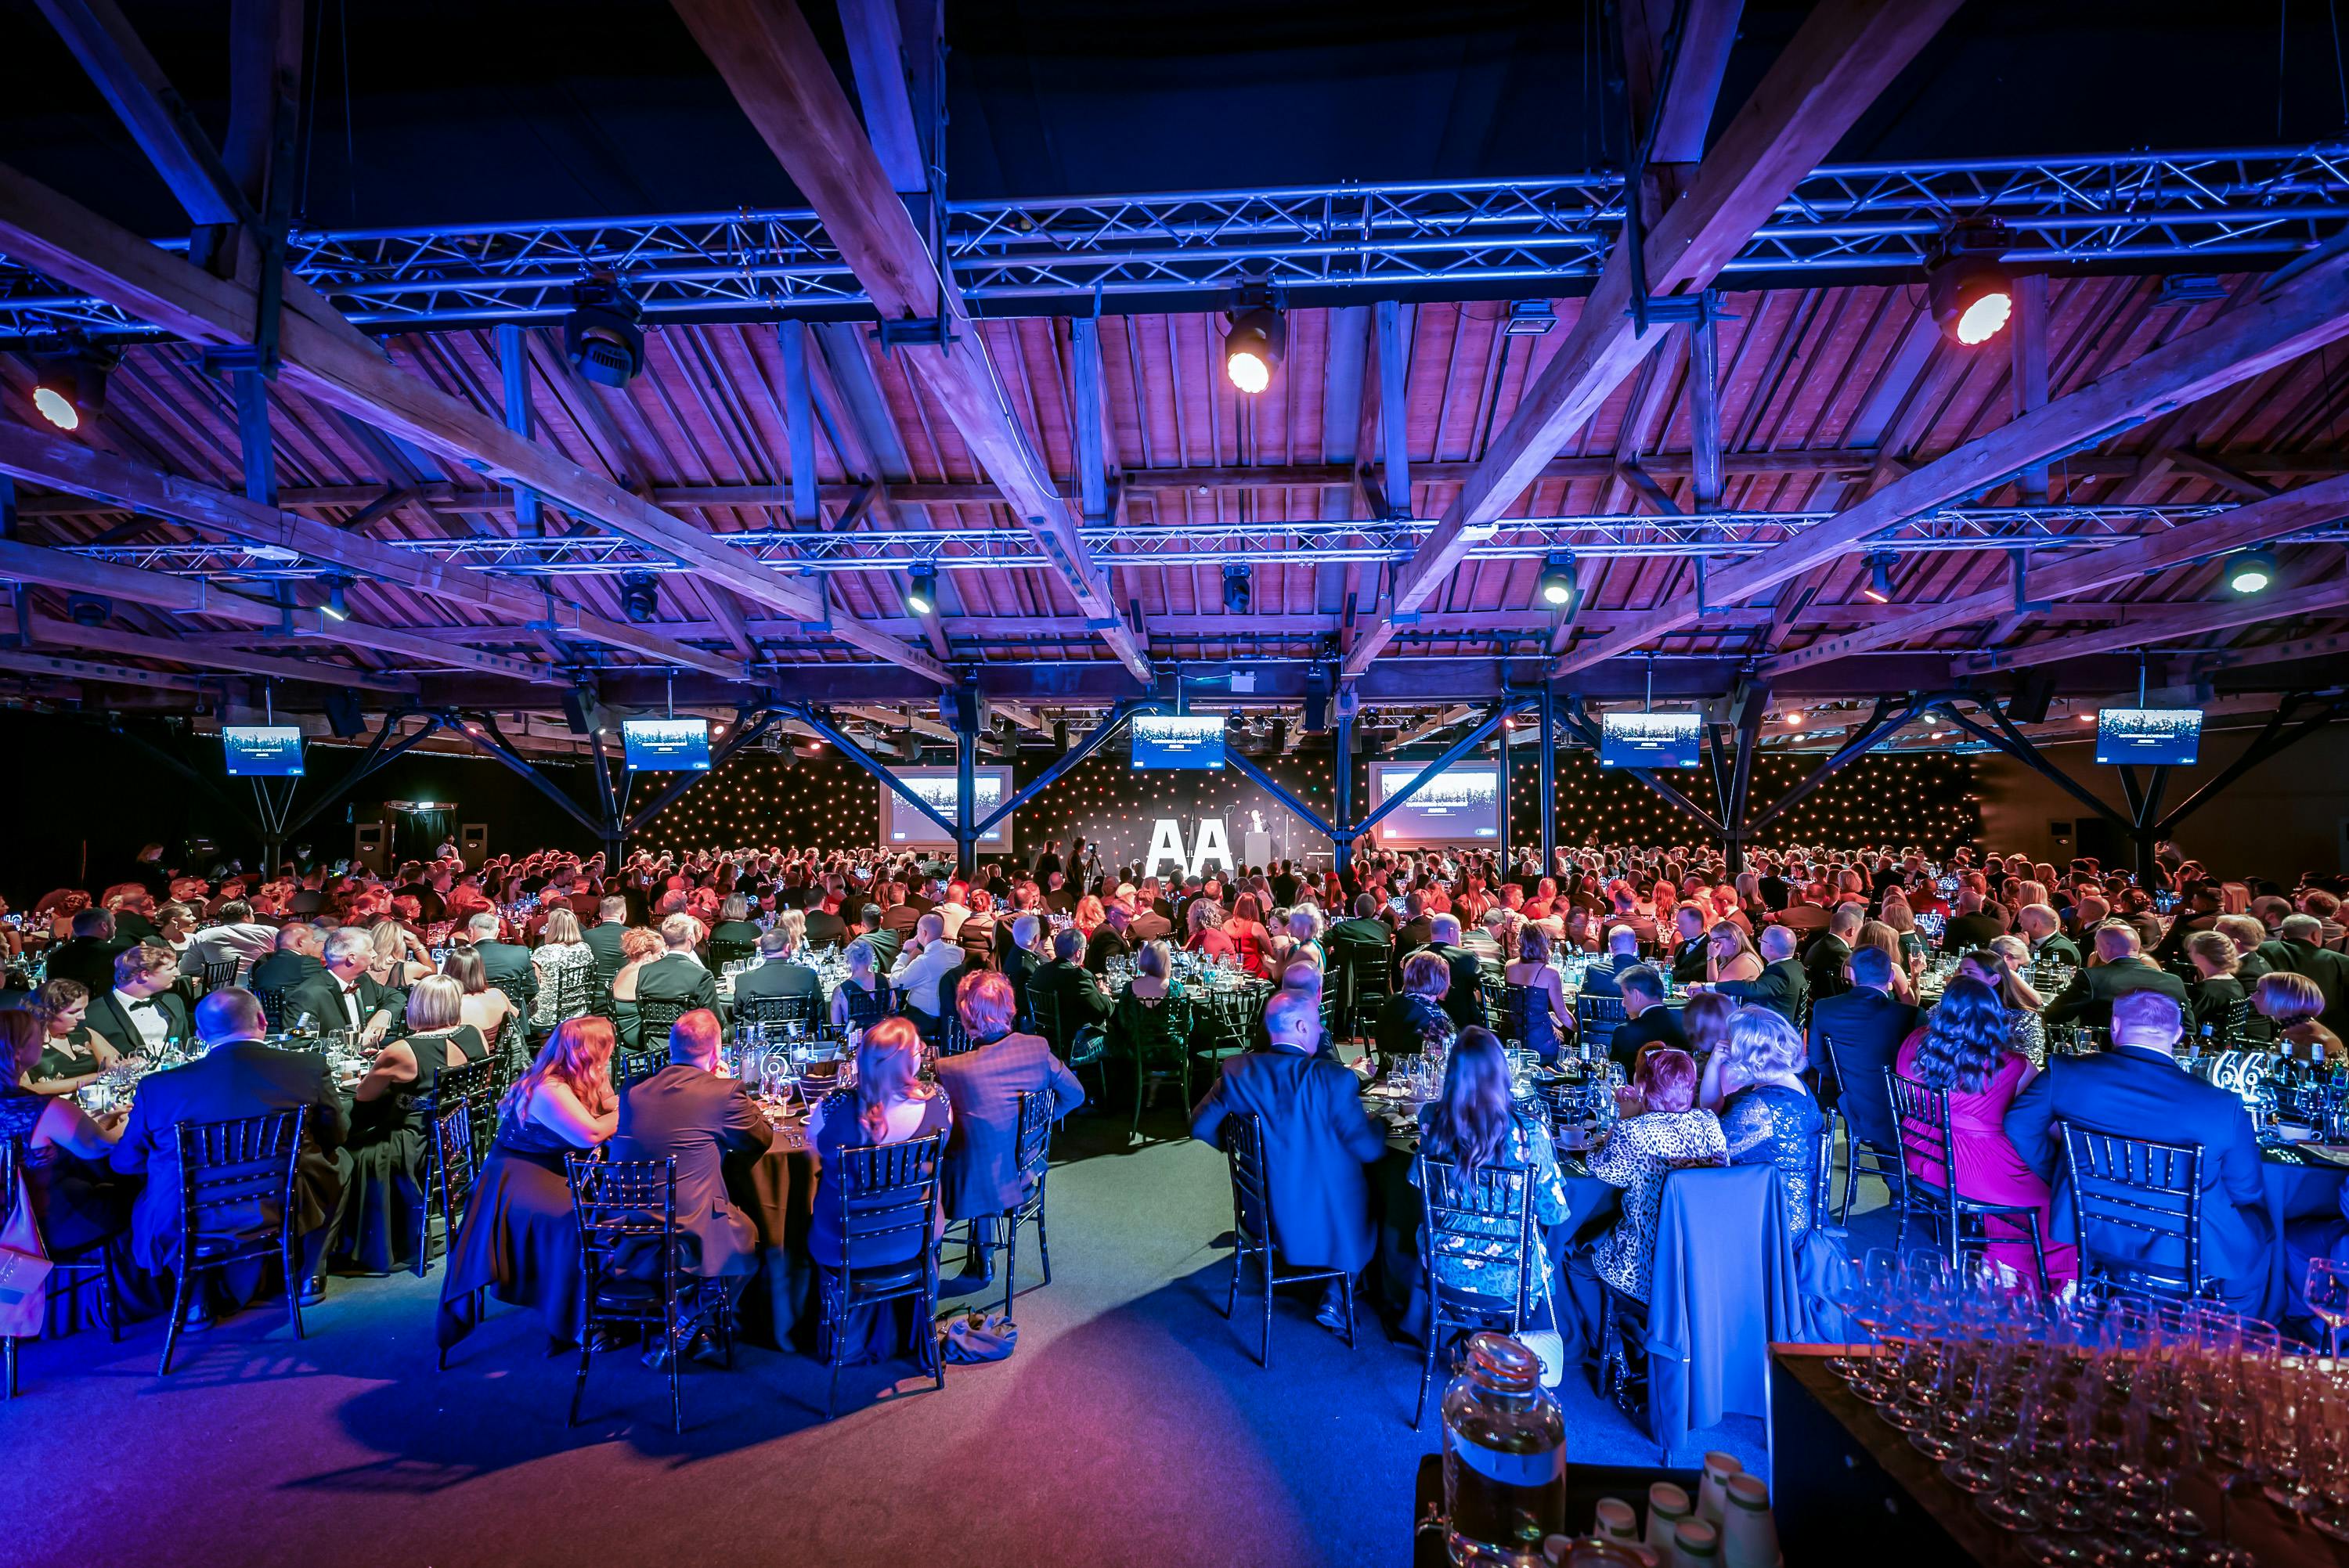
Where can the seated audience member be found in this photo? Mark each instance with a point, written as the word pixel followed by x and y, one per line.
pixel 2135 1090
pixel 390 1131
pixel 234 935
pixel 566 966
pixel 1603 978
pixel 74 1199
pixel 1647 1021
pixel 1768 1116
pixel 1867 1026
pixel 1689 921
pixel 690 1112
pixel 774 974
pixel 1665 1131
pixel 2292 1002
pixel 677 977
pixel 2120 969
pixel 72 1053
pixel 1899 988
pixel 141 1015
pixel 2045 932
pixel 1780 985
pixel 86 957
pixel 518 1239
pixel 1204 922
pixel 506 965
pixel 1316 1141
pixel 1824 959
pixel 734 924
pixel 2249 937
pixel 485 1007
pixel 1476 1125
pixel 2215 993
pixel 2297 948
pixel 1964 1049
pixel 639 947
pixel 1463 999
pixel 291 968
pixel 1414 1015
pixel 1108 938
pixel 1548 1019
pixel 924 971
pixel 237 1077
pixel 1730 955
pixel 1705 1020
pixel 982 1179
pixel 352 997
pixel 603 938
pixel 1073 1000
pixel 862 998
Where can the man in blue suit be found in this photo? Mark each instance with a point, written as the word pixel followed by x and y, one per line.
pixel 1316 1141
pixel 2137 1089
pixel 1601 979
pixel 1867 1026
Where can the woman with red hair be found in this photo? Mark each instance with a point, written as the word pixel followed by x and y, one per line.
pixel 518 1241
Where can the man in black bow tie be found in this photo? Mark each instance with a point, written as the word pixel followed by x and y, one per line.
pixel 141 1013
pixel 361 1003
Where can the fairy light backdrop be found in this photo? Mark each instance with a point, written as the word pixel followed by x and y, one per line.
pixel 1925 800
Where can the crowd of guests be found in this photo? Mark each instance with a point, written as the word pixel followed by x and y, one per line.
pixel 1750 1005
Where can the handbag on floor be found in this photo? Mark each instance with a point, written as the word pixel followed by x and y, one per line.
pixel 966 1338
pixel 24 1268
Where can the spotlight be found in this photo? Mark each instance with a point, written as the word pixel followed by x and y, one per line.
pixel 88 609
pixel 600 336
pixel 2252 572
pixel 640 596
pixel 337 607
pixel 1557 587
pixel 1880 578
pixel 1530 317
pixel 1253 347
pixel 1235 587
pixel 922 589
pixel 69 385
pixel 1794 721
pixel 1968 288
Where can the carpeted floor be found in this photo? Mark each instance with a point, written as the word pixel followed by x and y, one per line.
pixel 1132 1425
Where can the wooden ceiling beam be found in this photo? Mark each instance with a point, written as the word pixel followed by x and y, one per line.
pixel 2298 311
pixel 50 631
pixel 1835 66
pixel 42 229
pixel 2169 624
pixel 782 81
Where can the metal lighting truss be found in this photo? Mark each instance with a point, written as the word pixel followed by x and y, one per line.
pixel 1714 535
pixel 2226 210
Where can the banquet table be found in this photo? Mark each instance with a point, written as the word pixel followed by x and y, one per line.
pixel 777 1189
pixel 2298 1182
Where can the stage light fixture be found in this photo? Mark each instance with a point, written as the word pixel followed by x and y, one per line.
pixel 337 606
pixel 88 609
pixel 640 596
pixel 1530 317
pixel 1967 286
pixel 1557 587
pixel 1880 578
pixel 2252 572
pixel 601 336
pixel 70 385
pixel 1236 588
pixel 1253 347
pixel 922 589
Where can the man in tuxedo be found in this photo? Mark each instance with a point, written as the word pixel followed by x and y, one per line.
pixel 1970 928
pixel 901 917
pixel 1067 998
pixel 139 1013
pixel 603 938
pixel 1867 1026
pixel 88 955
pixel 295 973
pixel 825 928
pixel 771 976
pixel 1688 959
pixel 360 1001
pixel 1802 915
pixel 505 965
pixel 1109 940
pixel 2137 1089
pixel 981 1178
pixel 1151 921
pixel 1463 1003
pixel 1781 985
pixel 1830 949
pixel 687 1111
pixel 1415 932
pixel 1316 1143
pixel 2120 969
pixel 236 1076
pixel 2299 948
pixel 2045 932
pixel 1646 1020
pixel 1604 975
pixel 677 975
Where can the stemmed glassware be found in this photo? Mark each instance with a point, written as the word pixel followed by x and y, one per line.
pixel 2327 1289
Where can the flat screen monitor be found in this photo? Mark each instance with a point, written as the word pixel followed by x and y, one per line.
pixel 902 824
pixel 1656 741
pixel 262 750
pixel 667 745
pixel 1461 805
pixel 2160 736
pixel 1165 741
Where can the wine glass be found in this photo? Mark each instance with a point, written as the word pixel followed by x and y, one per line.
pixel 2327 1290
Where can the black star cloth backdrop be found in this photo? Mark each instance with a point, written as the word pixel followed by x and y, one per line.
pixel 1925 800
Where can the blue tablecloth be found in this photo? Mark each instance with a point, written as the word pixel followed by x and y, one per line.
pixel 2298 1187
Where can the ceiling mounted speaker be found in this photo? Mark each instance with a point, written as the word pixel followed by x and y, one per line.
pixel 2034 690
pixel 344 715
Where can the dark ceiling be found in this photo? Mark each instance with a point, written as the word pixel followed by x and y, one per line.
pixel 436 111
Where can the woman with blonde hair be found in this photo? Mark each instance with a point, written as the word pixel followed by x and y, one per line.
pixel 567 969
pixel 1091 915
pixel 1768 1115
pixel 1731 955
pixel 518 1239
pixel 1876 934
pixel 638 947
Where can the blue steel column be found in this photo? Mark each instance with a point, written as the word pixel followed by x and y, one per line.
pixel 1342 840
pixel 1549 778
pixel 966 788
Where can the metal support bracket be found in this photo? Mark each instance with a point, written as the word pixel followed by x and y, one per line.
pixel 915 332
pixel 2024 604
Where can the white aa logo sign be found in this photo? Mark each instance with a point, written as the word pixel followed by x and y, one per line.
pixel 1166 844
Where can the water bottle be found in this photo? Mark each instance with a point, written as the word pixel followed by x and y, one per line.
pixel 1504 1457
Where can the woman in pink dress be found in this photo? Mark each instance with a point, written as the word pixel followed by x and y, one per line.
pixel 1963 1049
